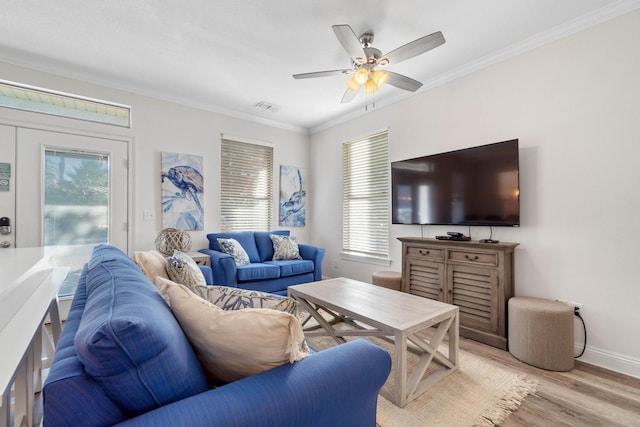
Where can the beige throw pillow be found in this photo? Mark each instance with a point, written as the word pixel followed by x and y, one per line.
pixel 152 263
pixel 235 344
pixel 163 286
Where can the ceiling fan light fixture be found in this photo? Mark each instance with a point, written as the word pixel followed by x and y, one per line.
pixel 379 78
pixel 370 87
pixel 352 84
pixel 361 75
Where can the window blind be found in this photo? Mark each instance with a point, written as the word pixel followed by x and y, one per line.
pixel 246 186
pixel 365 195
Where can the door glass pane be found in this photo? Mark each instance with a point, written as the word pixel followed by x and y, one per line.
pixel 76 198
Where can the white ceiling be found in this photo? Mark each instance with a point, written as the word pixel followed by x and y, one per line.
pixel 227 56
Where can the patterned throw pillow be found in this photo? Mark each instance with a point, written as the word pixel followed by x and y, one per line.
pixel 228 298
pixel 181 268
pixel 238 343
pixel 284 247
pixel 235 299
pixel 234 248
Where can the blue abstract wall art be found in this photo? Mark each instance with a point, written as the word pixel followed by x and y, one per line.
pixel 292 197
pixel 182 191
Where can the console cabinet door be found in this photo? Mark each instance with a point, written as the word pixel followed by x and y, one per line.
pixel 475 291
pixel 424 278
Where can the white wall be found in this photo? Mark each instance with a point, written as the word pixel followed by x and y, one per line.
pixel 164 126
pixel 575 107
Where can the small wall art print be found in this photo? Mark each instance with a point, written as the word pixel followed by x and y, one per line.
pixel 182 192
pixel 292 197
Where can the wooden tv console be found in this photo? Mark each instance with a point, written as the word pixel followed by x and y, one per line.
pixel 477 277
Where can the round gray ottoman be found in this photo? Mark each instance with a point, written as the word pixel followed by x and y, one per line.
pixel 541 333
pixel 387 279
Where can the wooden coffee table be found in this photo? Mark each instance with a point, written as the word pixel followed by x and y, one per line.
pixel 386 313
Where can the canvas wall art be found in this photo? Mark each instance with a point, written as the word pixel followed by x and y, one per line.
pixel 182 191
pixel 292 197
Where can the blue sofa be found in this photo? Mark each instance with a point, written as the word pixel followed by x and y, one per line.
pixel 262 274
pixel 123 360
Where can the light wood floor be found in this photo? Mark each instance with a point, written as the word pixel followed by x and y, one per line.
pixel 585 396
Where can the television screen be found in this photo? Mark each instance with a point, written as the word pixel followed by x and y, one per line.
pixel 473 186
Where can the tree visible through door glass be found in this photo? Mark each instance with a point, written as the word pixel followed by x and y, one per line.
pixel 76 198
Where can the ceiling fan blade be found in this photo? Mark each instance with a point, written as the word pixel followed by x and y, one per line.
pixel 350 42
pixel 322 74
pixel 402 82
pixel 414 48
pixel 348 96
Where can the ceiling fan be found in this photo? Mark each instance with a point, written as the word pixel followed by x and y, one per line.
pixel 366 62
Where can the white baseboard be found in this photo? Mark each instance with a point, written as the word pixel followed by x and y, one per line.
pixel 612 361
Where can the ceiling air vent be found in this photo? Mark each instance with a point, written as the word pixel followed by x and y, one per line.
pixel 267 106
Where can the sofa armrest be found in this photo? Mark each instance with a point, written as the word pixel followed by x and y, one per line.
pixel 314 254
pixel 335 387
pixel 207 273
pixel 225 272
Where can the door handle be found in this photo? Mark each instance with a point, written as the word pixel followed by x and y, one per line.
pixel 5 225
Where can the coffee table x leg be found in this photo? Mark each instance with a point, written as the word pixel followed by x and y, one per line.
pixel 408 386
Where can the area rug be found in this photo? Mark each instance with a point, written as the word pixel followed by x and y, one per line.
pixel 479 393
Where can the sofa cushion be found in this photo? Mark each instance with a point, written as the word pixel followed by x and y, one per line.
pixel 234 248
pixel 183 269
pixel 284 248
pixel 129 341
pixel 258 271
pixel 238 343
pixel 245 238
pixel 152 263
pixel 264 243
pixel 293 267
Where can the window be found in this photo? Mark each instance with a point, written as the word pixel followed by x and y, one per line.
pixel 246 183
pixel 30 98
pixel 76 198
pixel 365 196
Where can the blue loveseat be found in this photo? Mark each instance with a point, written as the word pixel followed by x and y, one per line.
pixel 262 274
pixel 123 360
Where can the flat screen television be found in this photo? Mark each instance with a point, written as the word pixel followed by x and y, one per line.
pixel 472 186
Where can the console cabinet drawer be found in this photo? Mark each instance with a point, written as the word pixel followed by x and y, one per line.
pixel 481 258
pixel 426 252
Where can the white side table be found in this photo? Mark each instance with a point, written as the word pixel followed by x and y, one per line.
pixel 200 258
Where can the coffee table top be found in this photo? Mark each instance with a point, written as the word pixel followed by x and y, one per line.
pixel 374 304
